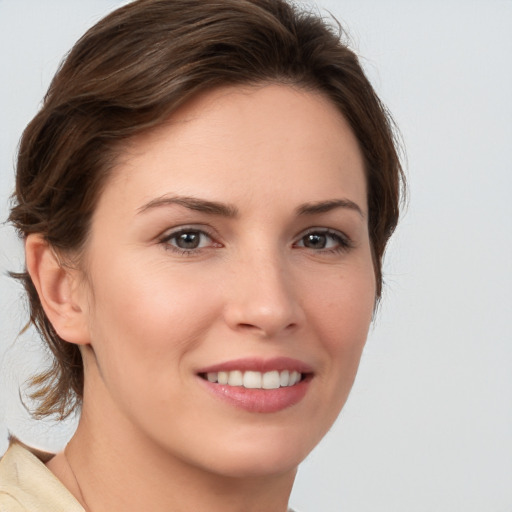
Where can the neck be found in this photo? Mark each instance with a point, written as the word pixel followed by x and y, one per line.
pixel 112 477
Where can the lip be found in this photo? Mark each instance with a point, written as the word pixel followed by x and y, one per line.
pixel 259 365
pixel 259 400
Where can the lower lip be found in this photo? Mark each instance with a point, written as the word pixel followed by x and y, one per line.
pixel 259 400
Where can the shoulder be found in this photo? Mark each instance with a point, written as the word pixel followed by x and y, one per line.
pixel 27 485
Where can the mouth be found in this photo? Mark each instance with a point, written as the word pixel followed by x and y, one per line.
pixel 261 386
pixel 273 379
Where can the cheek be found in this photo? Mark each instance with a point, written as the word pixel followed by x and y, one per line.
pixel 343 300
pixel 145 318
pixel 340 311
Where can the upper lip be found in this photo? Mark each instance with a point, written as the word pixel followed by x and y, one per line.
pixel 259 365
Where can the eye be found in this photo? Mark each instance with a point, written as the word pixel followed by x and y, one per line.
pixel 187 240
pixel 324 240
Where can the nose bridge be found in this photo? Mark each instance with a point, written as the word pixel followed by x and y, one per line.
pixel 262 297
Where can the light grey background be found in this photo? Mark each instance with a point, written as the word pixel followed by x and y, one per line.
pixel 428 426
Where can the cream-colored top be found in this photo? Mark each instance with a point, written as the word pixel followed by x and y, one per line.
pixel 27 485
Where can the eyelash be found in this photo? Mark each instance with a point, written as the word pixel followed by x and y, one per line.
pixel 342 242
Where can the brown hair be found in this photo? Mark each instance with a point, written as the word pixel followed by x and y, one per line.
pixel 127 74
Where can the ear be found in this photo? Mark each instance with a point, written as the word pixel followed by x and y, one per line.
pixel 59 290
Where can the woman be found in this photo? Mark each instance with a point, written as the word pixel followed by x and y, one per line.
pixel 205 199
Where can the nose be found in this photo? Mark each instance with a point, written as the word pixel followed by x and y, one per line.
pixel 261 297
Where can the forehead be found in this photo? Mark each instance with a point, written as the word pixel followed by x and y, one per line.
pixel 235 142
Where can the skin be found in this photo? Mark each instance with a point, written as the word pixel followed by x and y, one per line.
pixel 148 315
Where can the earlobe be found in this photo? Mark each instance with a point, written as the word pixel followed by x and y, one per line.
pixel 58 290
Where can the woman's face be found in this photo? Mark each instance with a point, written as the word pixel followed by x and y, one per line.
pixel 228 253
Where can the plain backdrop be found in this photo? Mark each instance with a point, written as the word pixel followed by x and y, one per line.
pixel 428 426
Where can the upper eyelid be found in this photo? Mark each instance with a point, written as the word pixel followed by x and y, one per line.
pixel 318 229
pixel 171 232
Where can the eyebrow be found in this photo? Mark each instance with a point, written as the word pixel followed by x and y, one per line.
pixel 327 206
pixel 227 210
pixel 192 203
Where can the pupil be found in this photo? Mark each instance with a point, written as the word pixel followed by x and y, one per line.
pixel 315 241
pixel 188 241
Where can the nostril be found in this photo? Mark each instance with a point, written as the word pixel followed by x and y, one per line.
pixel 266 329
pixel 248 326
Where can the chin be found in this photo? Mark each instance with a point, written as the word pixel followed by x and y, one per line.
pixel 262 454
pixel 261 465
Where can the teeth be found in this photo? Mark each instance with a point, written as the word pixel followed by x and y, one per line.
pixel 252 380
pixel 271 380
pixel 256 380
pixel 235 378
pixel 294 378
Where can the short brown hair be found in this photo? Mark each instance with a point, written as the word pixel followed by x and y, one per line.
pixel 128 73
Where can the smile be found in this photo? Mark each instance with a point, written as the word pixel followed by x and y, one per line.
pixel 255 380
pixel 258 385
